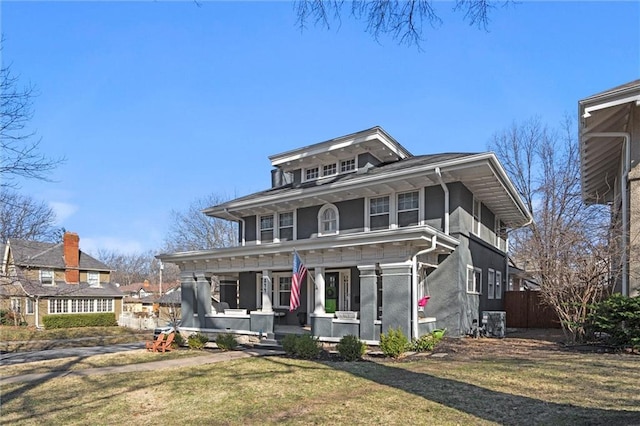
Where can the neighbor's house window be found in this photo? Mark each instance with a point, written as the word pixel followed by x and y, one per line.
pixel 328 220
pixel 311 173
pixel 408 207
pixel 347 165
pixel 476 216
pixel 15 304
pixel 30 308
pixel 75 306
pixel 285 230
pixel 379 213
pixel 46 276
pixel 329 169
pixel 474 279
pixel 58 306
pixel 491 279
pixel 93 278
pixel 266 228
pixel 498 285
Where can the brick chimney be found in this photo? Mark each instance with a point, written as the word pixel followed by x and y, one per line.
pixel 71 254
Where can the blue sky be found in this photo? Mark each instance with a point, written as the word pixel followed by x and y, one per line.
pixel 155 104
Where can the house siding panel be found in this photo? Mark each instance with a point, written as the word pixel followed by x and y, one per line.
pixel 249 228
pixel 307 225
pixel 248 292
pixel 434 207
pixel 351 215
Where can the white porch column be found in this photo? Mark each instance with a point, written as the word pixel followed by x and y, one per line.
pixel 319 305
pixel 267 291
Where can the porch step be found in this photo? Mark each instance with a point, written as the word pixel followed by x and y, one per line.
pixel 269 343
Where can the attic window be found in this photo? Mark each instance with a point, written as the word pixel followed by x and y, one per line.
pixel 347 165
pixel 311 173
pixel 46 277
pixel 93 279
pixel 329 169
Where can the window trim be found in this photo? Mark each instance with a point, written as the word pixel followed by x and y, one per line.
pixel 307 171
pixel 260 229
pixel 491 283
pixel 321 221
pixel 53 277
pixel 498 285
pixel 30 306
pixel 474 271
pixel 277 234
pixel 388 212
pixel 341 164
pixel 333 166
pixel 416 209
pixel 94 284
pixel 81 305
pixel 275 289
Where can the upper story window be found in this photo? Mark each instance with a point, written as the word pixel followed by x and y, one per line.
pixel 266 228
pixel 347 165
pixel 477 206
pixel 329 169
pixel 46 276
pixel 93 278
pixel 311 173
pixel 285 229
pixel 379 213
pixel 328 220
pixel 408 208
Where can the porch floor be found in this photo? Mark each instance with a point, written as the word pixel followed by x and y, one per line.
pixel 291 329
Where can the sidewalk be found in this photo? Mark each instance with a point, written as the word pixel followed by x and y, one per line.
pixel 147 366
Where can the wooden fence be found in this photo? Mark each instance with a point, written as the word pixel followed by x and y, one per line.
pixel 526 310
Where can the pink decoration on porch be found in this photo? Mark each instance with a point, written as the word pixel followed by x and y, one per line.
pixel 423 302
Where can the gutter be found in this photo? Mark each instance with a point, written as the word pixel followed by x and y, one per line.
pixel 626 163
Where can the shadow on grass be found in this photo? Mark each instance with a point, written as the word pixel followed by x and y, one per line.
pixel 487 404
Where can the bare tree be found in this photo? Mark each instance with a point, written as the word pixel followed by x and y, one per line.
pixel 24 218
pixel 136 267
pixel 20 154
pixel 567 247
pixel 403 20
pixel 193 230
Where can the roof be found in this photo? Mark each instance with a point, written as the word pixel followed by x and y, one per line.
pixel 62 289
pixel 605 118
pixel 481 173
pixel 49 255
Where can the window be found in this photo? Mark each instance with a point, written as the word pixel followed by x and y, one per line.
pixel 283 291
pixel 329 169
pixel 15 304
pixel 491 279
pixel 476 216
pixel 379 213
pixel 285 230
pixel 58 306
pixel 498 285
pixel 46 276
pixel 347 165
pixel 328 220
pixel 266 228
pixel 74 306
pixel 474 279
pixel 30 307
pixel 311 173
pixel 408 209
pixel 93 278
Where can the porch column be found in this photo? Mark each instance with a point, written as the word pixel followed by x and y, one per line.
pixel 319 291
pixel 203 296
pixel 188 305
pixel 267 291
pixel 396 297
pixel 368 301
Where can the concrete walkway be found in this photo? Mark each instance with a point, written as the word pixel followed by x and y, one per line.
pixel 147 366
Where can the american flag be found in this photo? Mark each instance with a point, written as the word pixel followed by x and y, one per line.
pixel 299 274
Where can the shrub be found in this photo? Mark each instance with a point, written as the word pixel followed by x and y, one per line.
pixel 394 343
pixel 103 319
pixel 197 341
pixel 619 317
pixel 351 348
pixel 427 342
pixel 178 340
pixel 11 318
pixel 226 342
pixel 303 346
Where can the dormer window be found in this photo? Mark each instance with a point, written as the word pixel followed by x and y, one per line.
pixel 311 173
pixel 46 277
pixel 93 278
pixel 329 169
pixel 328 220
pixel 347 165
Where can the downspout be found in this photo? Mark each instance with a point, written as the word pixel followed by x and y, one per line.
pixel 239 219
pixel 626 162
pixel 414 287
pixel 37 312
pixel 446 200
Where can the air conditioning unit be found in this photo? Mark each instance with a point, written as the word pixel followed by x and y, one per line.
pixel 494 323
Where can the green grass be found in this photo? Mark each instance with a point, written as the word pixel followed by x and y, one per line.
pixel 560 388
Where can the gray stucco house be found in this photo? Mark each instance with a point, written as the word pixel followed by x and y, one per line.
pixel 378 229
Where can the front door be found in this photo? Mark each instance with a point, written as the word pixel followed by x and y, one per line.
pixel 331 291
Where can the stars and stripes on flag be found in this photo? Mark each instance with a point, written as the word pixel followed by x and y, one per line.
pixel 299 274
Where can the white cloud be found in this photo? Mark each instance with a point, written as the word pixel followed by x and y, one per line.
pixel 62 210
pixel 126 246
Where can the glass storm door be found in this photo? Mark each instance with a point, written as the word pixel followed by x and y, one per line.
pixel 331 291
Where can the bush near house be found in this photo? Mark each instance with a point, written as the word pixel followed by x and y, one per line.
pixel 427 342
pixel 394 343
pixel 619 317
pixel 104 319
pixel 303 346
pixel 226 342
pixel 351 348
pixel 197 341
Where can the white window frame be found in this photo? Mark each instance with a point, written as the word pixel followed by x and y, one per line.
pixel 93 278
pixel 476 216
pixel 348 165
pixel 49 272
pixel 80 305
pixel 474 277
pixel 311 173
pixel 387 213
pixel 330 169
pixel 275 289
pixel 416 208
pixel 30 308
pixel 261 229
pixel 498 284
pixel 491 283
pixel 277 237
pixel 321 220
